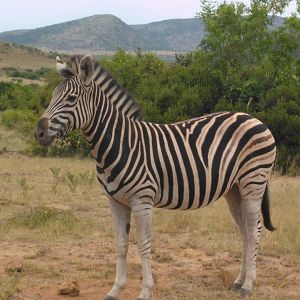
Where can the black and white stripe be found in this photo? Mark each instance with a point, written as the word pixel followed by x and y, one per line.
pixel 185 165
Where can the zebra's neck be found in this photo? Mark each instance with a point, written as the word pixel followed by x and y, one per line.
pixel 118 97
pixel 109 131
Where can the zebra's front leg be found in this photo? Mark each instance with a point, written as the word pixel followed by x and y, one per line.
pixel 121 218
pixel 143 219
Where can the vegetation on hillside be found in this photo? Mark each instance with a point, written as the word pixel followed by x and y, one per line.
pixel 106 33
pixel 27 73
pixel 241 65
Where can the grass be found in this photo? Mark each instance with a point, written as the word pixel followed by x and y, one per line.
pixel 8 286
pixel 10 140
pixel 41 218
pixel 55 218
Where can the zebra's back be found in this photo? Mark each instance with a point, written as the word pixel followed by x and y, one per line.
pixel 195 162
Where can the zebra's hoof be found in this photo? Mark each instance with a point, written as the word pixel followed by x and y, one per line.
pixel 107 297
pixel 236 287
pixel 245 292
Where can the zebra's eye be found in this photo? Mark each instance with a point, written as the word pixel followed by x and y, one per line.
pixel 71 98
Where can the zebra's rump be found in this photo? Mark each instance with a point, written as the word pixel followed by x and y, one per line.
pixel 195 162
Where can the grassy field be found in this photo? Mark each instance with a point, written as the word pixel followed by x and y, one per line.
pixel 55 220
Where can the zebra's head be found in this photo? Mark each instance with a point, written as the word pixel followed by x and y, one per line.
pixel 69 107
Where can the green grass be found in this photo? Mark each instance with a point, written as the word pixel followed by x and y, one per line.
pixel 41 223
pixel 44 218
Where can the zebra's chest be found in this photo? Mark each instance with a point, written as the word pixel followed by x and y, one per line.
pixel 112 189
pixel 128 185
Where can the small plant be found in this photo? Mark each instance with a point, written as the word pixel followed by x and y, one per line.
pixel 25 187
pixel 55 172
pixel 86 178
pixel 83 178
pixel 72 181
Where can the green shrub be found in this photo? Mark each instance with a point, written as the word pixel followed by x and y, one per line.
pixel 29 74
pixel 17 96
pixel 73 144
pixel 22 120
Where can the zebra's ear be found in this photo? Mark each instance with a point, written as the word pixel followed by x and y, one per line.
pixel 62 68
pixel 86 68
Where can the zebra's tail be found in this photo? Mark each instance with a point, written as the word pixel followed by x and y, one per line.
pixel 265 208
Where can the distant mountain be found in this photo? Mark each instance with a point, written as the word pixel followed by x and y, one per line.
pixel 107 33
pixel 173 35
pixel 100 33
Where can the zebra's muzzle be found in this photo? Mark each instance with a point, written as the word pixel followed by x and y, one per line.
pixel 41 133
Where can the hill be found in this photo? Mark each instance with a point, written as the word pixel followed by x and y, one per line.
pixel 18 58
pixel 107 33
pixel 102 34
pixel 174 35
pixel 22 57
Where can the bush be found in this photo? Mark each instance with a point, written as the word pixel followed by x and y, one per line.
pixel 17 96
pixel 72 145
pixel 287 162
pixel 22 120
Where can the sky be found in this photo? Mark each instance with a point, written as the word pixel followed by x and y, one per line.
pixel 28 14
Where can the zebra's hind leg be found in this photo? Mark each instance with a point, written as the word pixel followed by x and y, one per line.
pixel 251 199
pixel 233 199
pixel 121 218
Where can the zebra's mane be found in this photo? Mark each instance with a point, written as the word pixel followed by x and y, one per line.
pixel 117 95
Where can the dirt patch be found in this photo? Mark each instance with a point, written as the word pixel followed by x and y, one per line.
pixel 187 274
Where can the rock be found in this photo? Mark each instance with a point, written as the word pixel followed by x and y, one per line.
pixel 14 266
pixel 69 288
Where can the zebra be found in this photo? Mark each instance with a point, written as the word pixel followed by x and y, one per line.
pixel 142 165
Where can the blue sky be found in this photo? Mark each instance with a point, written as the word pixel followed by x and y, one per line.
pixel 27 14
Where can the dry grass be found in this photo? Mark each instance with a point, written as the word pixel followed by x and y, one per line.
pixel 23 58
pixel 11 140
pixel 54 217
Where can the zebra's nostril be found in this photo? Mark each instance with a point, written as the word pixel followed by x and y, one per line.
pixel 39 134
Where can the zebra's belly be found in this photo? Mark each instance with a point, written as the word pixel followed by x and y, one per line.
pixel 187 201
pixel 191 192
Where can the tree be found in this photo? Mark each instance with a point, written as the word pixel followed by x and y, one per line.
pixel 257 66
